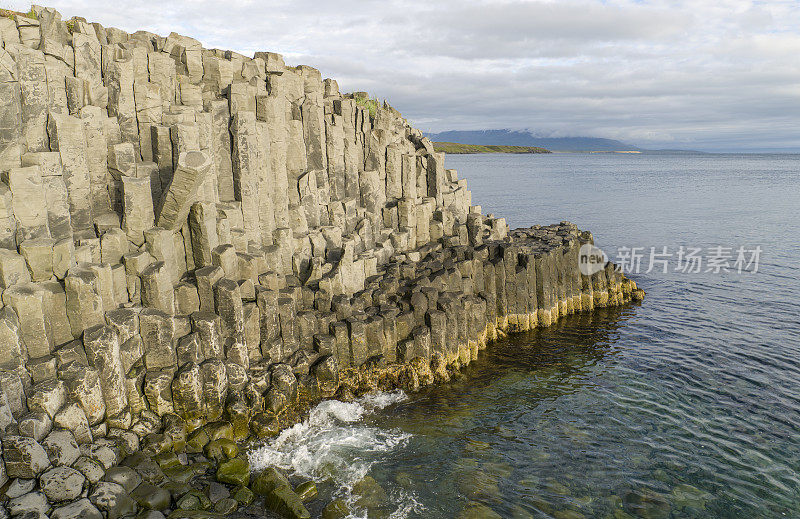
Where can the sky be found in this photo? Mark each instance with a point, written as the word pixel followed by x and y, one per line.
pixel 711 75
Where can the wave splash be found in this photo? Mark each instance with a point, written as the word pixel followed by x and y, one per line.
pixel 333 444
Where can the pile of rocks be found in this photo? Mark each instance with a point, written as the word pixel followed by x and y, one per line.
pixel 190 235
pixel 203 476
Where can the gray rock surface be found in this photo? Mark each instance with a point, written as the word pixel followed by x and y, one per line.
pixel 112 499
pixel 61 448
pixel 62 484
pixel 80 509
pixel 24 457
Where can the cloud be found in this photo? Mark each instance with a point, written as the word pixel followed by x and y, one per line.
pixel 708 74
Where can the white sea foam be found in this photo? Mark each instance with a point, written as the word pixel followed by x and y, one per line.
pixel 334 444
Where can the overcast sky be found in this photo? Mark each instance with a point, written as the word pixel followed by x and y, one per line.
pixel 701 74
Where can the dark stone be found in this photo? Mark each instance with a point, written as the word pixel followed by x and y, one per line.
pixel 128 478
pixel 151 497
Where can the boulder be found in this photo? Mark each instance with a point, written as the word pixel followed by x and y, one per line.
pixel 126 477
pixel 32 505
pixel 150 497
pixel 264 425
pixel 112 499
pixel 307 491
pixel 62 484
pixel 283 501
pixel 234 472
pixel 336 509
pixel 61 448
pixel 91 469
pixel 49 396
pixel 36 424
pixel 24 457
pixel 20 487
pixel 243 495
pixel 72 418
pixel 226 506
pixel 327 374
pixel 80 509
pixel 267 480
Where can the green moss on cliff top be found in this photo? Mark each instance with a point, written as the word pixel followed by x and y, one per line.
pixel 363 99
pixel 7 13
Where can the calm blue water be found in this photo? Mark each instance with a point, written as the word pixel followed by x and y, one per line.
pixel 687 405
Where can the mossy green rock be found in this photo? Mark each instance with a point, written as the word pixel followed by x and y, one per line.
pixel 241 426
pixel 197 441
pixel 219 430
pixel 268 480
pixel 176 490
pixel 154 444
pixel 149 470
pixel 307 491
pixel 194 500
pixel 243 495
pixel 226 505
pixel 188 502
pixel 264 425
pixel 167 460
pixel 234 472
pixel 151 497
pixel 336 509
pixel 220 449
pixel 283 501
pixel 180 474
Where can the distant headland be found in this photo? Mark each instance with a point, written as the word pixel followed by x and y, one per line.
pixel 511 138
pixel 459 148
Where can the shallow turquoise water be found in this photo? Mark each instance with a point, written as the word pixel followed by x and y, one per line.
pixel 684 406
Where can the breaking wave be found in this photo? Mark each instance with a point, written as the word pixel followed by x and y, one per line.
pixel 334 444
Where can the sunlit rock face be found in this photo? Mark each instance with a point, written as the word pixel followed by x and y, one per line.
pixel 190 235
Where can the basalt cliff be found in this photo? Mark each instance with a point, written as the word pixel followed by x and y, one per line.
pixel 195 245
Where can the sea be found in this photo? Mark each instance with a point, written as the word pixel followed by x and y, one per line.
pixel 685 405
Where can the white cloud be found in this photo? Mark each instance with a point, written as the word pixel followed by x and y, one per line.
pixel 701 73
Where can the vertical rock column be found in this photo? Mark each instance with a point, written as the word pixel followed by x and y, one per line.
pixel 67 137
pixel 245 171
pixel 103 353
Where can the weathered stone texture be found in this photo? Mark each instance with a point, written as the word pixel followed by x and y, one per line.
pixel 190 235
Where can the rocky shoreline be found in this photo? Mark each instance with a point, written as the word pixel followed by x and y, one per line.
pixel 163 466
pixel 197 246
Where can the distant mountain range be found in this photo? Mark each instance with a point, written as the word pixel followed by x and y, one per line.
pixel 519 138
